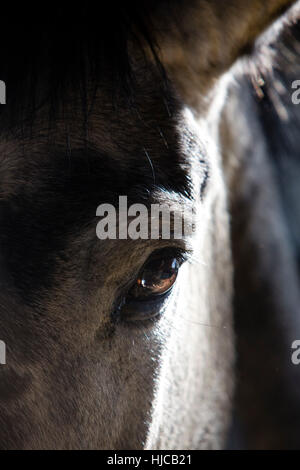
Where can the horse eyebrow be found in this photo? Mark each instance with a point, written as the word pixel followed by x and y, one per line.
pixel 180 205
pixel 168 197
pixel 107 176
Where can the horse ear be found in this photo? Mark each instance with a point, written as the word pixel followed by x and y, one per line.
pixel 200 39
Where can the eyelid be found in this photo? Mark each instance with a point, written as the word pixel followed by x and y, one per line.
pixel 180 254
pixel 132 311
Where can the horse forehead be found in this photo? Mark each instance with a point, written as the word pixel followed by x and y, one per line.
pixel 108 162
pixel 147 143
pixel 49 194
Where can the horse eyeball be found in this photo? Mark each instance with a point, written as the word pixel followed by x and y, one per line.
pixel 146 298
pixel 157 277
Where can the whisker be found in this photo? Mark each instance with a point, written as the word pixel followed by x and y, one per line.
pixel 204 324
pixel 151 164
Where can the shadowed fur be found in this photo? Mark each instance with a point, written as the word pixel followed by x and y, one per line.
pixel 102 105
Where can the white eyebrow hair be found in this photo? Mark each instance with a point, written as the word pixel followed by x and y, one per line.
pixel 179 201
pixel 179 205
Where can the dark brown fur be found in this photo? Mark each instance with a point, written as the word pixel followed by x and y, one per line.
pixel 95 113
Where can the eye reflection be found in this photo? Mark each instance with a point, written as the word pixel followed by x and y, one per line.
pixel 157 277
pixel 148 295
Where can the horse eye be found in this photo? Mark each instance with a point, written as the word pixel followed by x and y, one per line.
pixel 147 296
pixel 157 277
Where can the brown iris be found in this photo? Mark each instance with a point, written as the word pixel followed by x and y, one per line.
pixel 157 277
pixel 146 298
